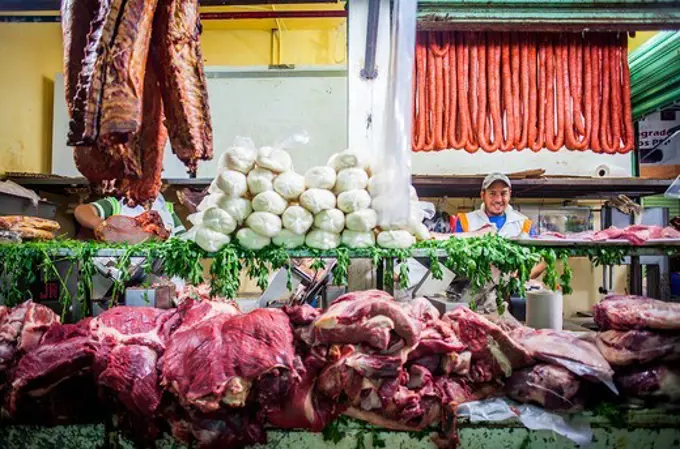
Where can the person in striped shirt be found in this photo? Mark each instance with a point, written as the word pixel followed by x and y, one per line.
pixel 91 215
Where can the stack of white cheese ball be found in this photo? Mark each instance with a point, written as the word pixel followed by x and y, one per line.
pixel 259 199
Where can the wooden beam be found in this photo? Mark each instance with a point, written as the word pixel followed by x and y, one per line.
pixel 53 5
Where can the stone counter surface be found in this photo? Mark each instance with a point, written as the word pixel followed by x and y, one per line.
pixel 644 429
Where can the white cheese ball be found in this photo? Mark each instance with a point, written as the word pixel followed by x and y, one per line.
pixel 362 220
pixel 346 159
pixel 297 219
pixel 412 193
pixel 211 240
pixel 355 239
pixel 323 240
pixel 269 201
pixel 316 200
pixel 274 159
pixel 320 178
pixel 331 220
pixel 238 158
pixel 250 239
pixel 210 200
pixel 260 180
pixel 353 201
pixel 351 179
pixel 396 239
pixel 264 223
pixel 238 208
pixel 288 239
pixel 219 220
pixel 289 185
pixel 232 183
pixel 420 231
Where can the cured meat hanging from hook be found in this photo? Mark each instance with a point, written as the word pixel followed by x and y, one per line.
pixel 507 111
pixel 177 51
pixel 627 118
pixel 419 104
pixel 440 56
pixel 431 97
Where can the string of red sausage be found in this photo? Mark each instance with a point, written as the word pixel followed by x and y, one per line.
pixel 513 91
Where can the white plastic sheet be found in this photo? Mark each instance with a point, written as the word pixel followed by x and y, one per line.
pixel 534 418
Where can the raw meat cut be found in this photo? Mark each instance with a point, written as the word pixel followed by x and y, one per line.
pixel 565 349
pixel 369 317
pixel 120 228
pixel 623 348
pixel 176 52
pixel 651 383
pixel 625 312
pixel 130 342
pixel 149 146
pixel 65 353
pixel 215 361
pixel 21 331
pixel 101 26
pixel 124 86
pixel 550 386
pixel 494 353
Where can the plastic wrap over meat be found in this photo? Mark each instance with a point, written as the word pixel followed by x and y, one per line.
pixel 550 386
pixel 660 383
pixel 624 312
pixel 624 348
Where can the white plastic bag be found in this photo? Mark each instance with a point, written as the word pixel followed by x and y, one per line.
pixel 297 219
pixel 230 182
pixel 288 239
pixel 353 201
pixel 391 159
pixel 320 178
pixel 218 220
pixel 250 239
pixel 351 179
pixel 362 220
pixel 316 200
pixel 240 156
pixel 238 208
pixel 323 240
pixel 210 240
pixel 289 185
pixel 396 239
pixel 331 220
pixel 260 180
pixel 264 223
pixel 269 201
pixel 355 239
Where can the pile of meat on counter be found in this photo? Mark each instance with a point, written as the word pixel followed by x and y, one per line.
pixel 214 376
pixel 134 78
pixel 635 235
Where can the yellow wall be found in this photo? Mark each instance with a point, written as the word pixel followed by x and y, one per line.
pixel 31 55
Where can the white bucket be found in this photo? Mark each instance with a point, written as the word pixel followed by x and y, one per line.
pixel 544 309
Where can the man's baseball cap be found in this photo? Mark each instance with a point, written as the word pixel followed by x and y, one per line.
pixel 493 177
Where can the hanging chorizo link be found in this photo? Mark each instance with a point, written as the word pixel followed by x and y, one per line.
pixel 575 67
pixel 463 50
pixel 458 92
pixel 431 96
pixel 596 96
pixel 438 107
pixel 493 65
pixel 523 141
pixel 508 142
pixel 550 98
pixel 571 80
pixel 482 92
pixel 421 106
pixel 587 92
pixel 536 136
pixel 473 144
pixel 615 73
pixel 627 116
pixel 561 94
pixel 605 126
pixel 515 67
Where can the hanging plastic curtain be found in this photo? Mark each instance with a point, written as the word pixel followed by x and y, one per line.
pixel 391 165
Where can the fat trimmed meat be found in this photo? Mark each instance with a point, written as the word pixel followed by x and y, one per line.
pixel 625 312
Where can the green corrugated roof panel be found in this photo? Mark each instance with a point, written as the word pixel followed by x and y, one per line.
pixel 554 15
pixel 672 204
pixel 655 73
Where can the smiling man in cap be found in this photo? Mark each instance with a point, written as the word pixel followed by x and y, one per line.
pixel 496 211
